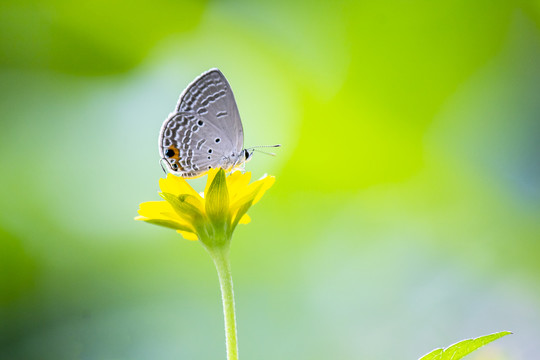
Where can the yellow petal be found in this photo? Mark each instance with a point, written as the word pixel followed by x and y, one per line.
pixel 155 209
pixel 249 196
pixel 253 192
pixel 236 183
pixel 161 210
pixel 268 181
pixel 246 219
pixel 211 174
pixel 188 235
pixel 176 185
pixel 244 202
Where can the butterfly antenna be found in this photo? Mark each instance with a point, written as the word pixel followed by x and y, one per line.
pixel 264 152
pixel 265 146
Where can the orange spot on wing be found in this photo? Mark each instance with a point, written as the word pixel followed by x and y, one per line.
pixel 175 157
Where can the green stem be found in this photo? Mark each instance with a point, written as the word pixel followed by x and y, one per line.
pixel 221 260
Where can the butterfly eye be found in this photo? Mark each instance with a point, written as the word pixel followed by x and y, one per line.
pixel 169 152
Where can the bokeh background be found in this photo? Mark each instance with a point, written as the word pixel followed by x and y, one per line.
pixel 406 212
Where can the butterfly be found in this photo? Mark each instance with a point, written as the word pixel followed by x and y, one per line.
pixel 205 130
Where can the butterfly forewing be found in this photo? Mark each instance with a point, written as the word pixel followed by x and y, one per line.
pixel 205 128
pixel 210 96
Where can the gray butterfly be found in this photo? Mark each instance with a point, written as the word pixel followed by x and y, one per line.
pixel 205 131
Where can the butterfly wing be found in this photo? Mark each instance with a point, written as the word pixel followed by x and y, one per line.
pixel 205 129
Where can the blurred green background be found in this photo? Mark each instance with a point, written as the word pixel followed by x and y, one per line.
pixel 406 212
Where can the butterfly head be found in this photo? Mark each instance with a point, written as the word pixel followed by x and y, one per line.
pixel 238 161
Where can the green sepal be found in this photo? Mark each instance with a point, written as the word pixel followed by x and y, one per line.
pixel 255 188
pixel 185 206
pixel 241 212
pixel 244 203
pixel 217 201
pixel 169 224
pixel 463 348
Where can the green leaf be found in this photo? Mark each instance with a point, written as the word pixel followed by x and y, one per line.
pixel 463 348
pixel 217 201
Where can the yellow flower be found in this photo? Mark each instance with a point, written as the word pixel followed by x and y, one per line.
pixel 210 218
